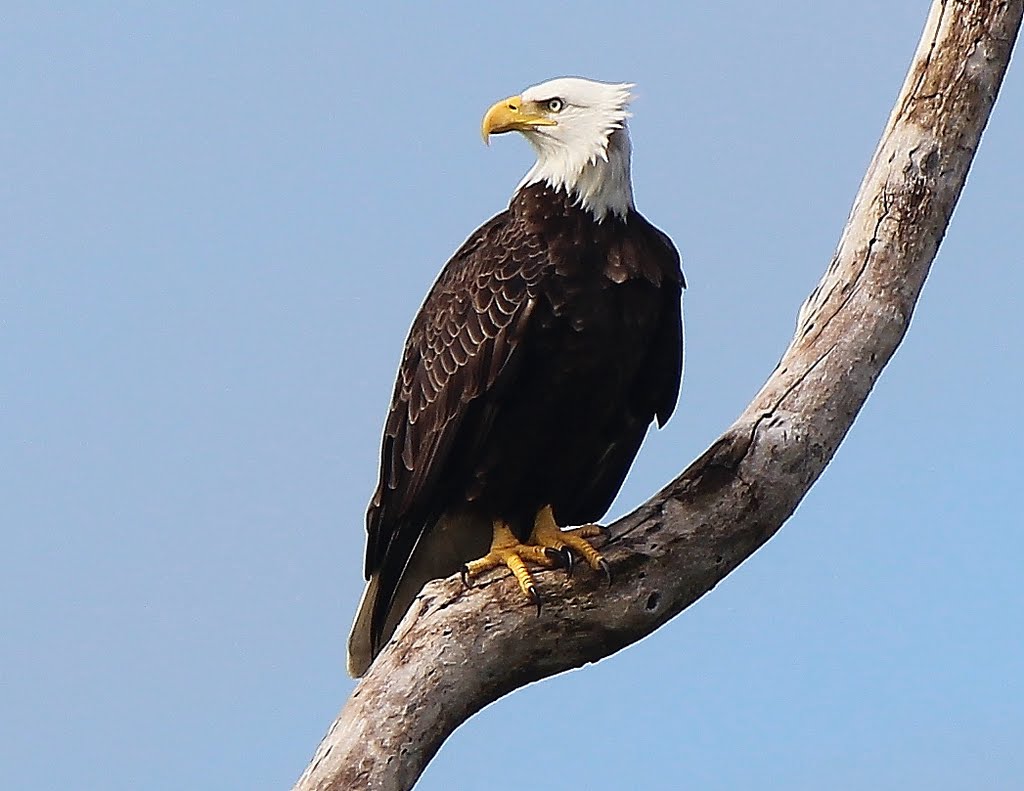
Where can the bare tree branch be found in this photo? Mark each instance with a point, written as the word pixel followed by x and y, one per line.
pixel 458 650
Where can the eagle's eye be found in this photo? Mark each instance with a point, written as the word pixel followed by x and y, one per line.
pixel 555 105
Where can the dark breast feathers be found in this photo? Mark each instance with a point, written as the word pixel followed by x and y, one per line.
pixel 530 376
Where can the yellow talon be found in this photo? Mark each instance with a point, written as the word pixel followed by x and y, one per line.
pixel 547 533
pixel 548 546
pixel 507 550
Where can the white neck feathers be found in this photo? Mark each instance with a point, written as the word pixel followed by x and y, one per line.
pixel 598 178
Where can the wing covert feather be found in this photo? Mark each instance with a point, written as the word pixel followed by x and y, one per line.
pixel 460 344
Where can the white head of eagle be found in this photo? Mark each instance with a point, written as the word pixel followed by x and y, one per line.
pixel 578 129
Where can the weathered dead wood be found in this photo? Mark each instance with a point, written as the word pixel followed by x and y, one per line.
pixel 457 651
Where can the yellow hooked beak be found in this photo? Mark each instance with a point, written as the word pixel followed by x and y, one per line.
pixel 513 115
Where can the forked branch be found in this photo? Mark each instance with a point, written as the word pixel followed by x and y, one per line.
pixel 456 651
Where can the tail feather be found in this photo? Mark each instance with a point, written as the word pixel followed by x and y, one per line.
pixel 440 552
pixel 360 652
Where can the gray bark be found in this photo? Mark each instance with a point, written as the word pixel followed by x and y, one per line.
pixel 458 650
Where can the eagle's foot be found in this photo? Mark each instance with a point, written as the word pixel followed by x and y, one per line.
pixel 547 533
pixel 507 550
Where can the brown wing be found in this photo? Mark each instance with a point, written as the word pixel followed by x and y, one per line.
pixel 651 256
pixel 461 345
pixel 662 373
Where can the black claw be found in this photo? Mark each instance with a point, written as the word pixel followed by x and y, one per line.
pixel 606 570
pixel 554 555
pixel 534 597
pixel 464 573
pixel 567 561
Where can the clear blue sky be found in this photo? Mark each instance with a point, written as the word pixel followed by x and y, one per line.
pixel 216 225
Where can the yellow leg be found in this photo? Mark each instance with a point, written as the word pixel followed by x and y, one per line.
pixel 547 533
pixel 507 550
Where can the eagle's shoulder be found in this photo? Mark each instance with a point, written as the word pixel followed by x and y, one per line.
pixel 475 299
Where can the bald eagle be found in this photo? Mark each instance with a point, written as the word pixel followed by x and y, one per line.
pixel 545 349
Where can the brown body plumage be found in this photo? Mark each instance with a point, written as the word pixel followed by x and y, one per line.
pixel 542 354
